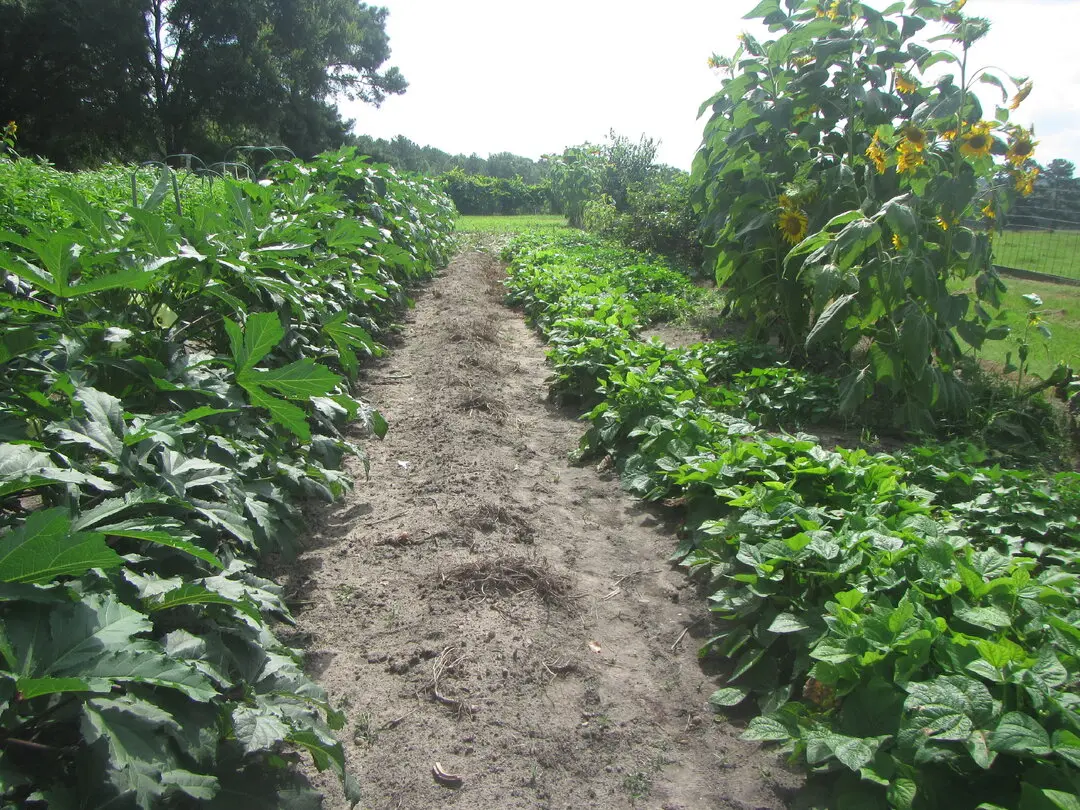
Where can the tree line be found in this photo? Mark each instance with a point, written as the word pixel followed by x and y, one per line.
pixel 406 155
pixel 96 80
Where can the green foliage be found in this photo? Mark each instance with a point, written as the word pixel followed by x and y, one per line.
pixel 905 624
pixel 37 192
pixel 606 172
pixel 8 137
pixel 510 225
pixel 1060 312
pixel 843 195
pixel 576 178
pixel 618 191
pixel 627 165
pixel 659 218
pixel 406 155
pixel 135 79
pixel 479 195
pixel 174 385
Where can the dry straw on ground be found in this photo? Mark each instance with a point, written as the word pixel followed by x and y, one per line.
pixel 510 575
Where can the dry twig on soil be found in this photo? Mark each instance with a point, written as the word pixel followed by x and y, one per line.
pixel 397 721
pixel 438 669
pixel 686 630
pixel 485 403
pixel 446 779
pixel 387 519
pixel 490 517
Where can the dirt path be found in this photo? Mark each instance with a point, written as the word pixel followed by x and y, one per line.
pixel 481 603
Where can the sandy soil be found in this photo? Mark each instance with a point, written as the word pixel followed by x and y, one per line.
pixel 672 336
pixel 481 603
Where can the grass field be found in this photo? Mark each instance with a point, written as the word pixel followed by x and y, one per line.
pixel 512 224
pixel 1061 305
pixel 1054 252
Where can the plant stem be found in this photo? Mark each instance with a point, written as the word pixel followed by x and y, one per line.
pixel 27 744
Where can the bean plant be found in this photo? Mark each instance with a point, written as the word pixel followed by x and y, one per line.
pixel 904 625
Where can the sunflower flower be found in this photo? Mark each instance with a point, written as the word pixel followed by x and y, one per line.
pixel 952 14
pixel 913 136
pixel 977 141
pixel 876 154
pixel 905 84
pixel 792 224
pixel 909 157
pixel 988 210
pixel 834 10
pixel 949 134
pixel 1025 181
pixel 1021 94
pixel 942 223
pixel 1021 148
pixel 897 242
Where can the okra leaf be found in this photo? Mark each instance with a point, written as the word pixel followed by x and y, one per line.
pixel 45 548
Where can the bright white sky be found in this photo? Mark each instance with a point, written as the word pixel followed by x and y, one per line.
pixel 532 78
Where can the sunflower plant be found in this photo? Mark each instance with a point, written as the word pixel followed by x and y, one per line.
pixel 7 137
pixel 848 174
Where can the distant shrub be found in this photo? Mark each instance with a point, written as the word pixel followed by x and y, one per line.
pixel 475 194
pixel 659 218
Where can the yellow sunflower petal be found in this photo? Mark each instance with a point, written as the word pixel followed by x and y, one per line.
pixel 792 225
pixel 1022 94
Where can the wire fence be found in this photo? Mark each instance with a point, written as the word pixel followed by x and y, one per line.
pixel 1041 240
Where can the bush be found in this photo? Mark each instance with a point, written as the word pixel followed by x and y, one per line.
pixel 658 218
pixel 479 195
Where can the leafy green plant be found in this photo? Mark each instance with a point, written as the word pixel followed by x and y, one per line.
pixel 576 177
pixel 7 136
pixel 658 218
pixel 175 383
pixel 1033 322
pixel 479 195
pixel 904 625
pixel 842 191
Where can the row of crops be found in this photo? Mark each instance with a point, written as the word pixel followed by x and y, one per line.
pixel 906 625
pixel 175 380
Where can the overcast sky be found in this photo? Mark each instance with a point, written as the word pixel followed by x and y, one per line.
pixel 496 76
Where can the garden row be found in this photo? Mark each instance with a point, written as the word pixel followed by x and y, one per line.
pixel 172 388
pixel 907 625
pixel 33 192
